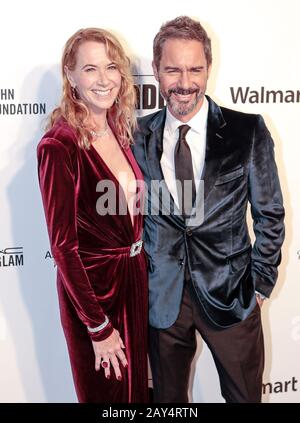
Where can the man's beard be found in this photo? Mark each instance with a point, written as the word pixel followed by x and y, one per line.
pixel 183 108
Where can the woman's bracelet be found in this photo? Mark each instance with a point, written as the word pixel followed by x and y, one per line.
pixel 100 327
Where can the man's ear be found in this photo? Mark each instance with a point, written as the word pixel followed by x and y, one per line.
pixel 69 76
pixel 155 71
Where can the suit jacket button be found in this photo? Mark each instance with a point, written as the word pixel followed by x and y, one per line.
pixel 181 262
pixel 189 232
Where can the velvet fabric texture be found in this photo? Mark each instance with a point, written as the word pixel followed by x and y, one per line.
pixel 224 267
pixel 95 274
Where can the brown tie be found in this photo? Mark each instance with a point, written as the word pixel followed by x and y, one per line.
pixel 184 172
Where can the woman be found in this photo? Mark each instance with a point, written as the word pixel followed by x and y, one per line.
pixel 102 276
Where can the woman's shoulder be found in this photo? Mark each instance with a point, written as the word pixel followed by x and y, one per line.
pixel 60 137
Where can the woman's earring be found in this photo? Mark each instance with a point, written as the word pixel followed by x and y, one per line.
pixel 74 93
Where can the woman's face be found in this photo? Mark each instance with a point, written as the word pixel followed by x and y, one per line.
pixel 96 78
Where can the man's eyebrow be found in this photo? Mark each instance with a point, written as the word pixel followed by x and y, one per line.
pixel 171 68
pixel 200 67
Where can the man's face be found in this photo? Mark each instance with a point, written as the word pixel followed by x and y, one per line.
pixel 182 75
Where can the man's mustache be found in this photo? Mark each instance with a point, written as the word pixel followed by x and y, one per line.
pixel 183 91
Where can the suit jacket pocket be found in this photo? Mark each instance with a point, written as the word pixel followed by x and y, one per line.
pixel 230 176
pixel 239 260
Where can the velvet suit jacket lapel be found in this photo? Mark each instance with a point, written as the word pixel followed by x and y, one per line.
pixel 215 146
pixel 154 146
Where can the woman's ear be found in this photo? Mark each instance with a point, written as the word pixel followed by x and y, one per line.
pixel 69 76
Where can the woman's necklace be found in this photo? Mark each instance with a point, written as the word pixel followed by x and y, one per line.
pixel 101 133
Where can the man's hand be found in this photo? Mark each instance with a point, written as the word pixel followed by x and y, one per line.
pixel 259 300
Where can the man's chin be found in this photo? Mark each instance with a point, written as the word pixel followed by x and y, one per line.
pixel 181 109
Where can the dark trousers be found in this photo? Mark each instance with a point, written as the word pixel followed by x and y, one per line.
pixel 238 353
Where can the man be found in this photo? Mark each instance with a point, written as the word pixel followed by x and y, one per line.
pixel 206 276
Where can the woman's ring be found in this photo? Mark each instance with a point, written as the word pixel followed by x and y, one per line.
pixel 104 364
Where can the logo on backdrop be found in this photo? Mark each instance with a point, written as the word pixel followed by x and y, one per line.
pixel 147 92
pixel 48 255
pixel 262 95
pixel 279 387
pixel 11 257
pixel 10 106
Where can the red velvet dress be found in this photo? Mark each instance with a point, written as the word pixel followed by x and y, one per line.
pixel 96 275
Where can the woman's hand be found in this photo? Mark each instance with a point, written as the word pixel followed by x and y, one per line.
pixel 108 353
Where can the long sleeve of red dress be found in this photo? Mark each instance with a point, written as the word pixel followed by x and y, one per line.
pixel 57 184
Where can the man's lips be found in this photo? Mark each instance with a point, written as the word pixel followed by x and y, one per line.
pixel 183 97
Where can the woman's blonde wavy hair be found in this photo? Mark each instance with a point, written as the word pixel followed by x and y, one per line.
pixel 121 115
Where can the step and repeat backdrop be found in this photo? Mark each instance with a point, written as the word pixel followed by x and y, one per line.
pixel 256 69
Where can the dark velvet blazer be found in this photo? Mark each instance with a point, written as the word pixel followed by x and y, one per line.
pixel 225 268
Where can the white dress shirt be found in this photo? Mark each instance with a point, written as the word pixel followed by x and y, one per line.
pixel 196 139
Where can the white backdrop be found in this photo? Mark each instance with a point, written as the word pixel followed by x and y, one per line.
pixel 255 45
